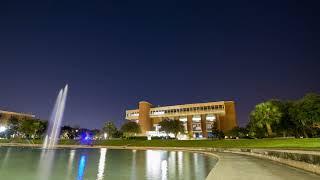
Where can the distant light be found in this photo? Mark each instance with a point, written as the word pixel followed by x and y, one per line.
pixel 211 117
pixel 158 113
pixel 135 114
pixel 105 135
pixel 86 138
pixel 183 119
pixel 2 129
pixel 196 118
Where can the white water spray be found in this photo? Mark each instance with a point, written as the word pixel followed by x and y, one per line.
pixel 54 125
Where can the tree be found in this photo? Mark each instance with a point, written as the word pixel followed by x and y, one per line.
pixel 110 129
pixel 172 126
pixel 238 132
pixel 68 132
pixel 96 133
pixel 306 113
pixel 130 128
pixel 286 125
pixel 32 128
pixel 216 132
pixel 266 114
pixel 40 127
pixel 13 126
pixel 118 134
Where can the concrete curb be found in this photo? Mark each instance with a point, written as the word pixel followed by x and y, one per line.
pixel 265 154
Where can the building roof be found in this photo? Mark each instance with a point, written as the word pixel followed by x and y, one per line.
pixel 16 113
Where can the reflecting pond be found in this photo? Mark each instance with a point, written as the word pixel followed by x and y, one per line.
pixel 101 164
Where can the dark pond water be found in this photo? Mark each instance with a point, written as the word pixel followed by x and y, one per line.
pixel 18 163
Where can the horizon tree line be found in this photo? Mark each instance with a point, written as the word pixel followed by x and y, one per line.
pixel 272 118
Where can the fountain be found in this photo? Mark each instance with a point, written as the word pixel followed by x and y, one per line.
pixel 54 124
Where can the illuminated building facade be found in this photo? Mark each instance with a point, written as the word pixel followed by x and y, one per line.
pixel 198 119
pixel 6 115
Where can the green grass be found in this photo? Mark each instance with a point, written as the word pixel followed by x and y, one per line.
pixel 309 144
pixel 312 143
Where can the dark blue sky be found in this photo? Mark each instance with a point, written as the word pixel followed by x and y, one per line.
pixel 116 53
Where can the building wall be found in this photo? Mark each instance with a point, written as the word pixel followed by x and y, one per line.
pixel 6 115
pixel 204 126
pixel 224 111
pixel 230 117
pixel 144 116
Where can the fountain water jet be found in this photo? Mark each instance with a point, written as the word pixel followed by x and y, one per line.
pixel 54 125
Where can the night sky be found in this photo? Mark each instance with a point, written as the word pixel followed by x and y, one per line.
pixel 114 54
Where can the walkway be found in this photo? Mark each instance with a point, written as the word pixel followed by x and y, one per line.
pixel 241 167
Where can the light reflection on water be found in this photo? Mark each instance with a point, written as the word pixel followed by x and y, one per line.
pixel 5 159
pixel 45 164
pixel 102 164
pixel 103 152
pixel 164 169
pixel 81 167
pixel 70 163
pixel 133 165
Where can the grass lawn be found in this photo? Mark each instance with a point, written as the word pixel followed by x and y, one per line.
pixel 308 143
pixel 312 143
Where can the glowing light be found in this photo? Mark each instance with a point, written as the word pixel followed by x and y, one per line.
pixel 135 114
pixel 180 163
pixel 133 165
pixel 182 137
pixel 196 118
pixel 2 129
pixel 158 113
pixel 153 163
pixel 86 138
pixel 105 135
pixel 211 117
pixel 70 163
pixel 81 167
pixel 183 119
pixel 164 169
pixel 159 134
pixel 103 152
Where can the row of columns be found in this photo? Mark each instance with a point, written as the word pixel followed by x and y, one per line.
pixel 203 123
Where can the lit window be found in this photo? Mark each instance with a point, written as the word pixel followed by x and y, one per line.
pixel 211 117
pixel 196 118
pixel 183 119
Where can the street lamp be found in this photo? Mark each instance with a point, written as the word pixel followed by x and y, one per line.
pixel 2 129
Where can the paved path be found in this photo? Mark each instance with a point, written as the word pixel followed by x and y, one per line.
pixel 241 167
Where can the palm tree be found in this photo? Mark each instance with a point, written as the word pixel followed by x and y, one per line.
pixel 266 114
